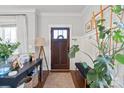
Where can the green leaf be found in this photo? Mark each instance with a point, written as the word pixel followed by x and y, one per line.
pixel 107 31
pixel 91 76
pixel 108 78
pixel 105 83
pixel 71 54
pixel 73 50
pixel 101 75
pixel 116 9
pixel 101 28
pixel 95 84
pixel 101 84
pixel 102 35
pixel 100 68
pixel 7 48
pixel 85 65
pixel 100 21
pixel 118 36
pixel 120 58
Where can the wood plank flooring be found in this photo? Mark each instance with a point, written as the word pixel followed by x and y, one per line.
pixel 59 80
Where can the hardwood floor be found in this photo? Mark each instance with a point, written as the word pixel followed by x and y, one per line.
pixel 41 84
pixel 60 70
pixel 74 78
pixel 79 81
pixel 59 80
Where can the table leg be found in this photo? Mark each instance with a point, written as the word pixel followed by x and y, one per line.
pixel 40 77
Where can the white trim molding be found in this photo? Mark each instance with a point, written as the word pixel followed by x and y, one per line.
pixel 60 14
pixel 17 11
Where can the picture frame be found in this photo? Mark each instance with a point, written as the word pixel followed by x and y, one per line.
pixel 88 26
pixel 17 64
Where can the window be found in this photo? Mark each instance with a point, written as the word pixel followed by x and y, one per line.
pixel 8 33
pixel 65 33
pixel 60 34
pixel 55 34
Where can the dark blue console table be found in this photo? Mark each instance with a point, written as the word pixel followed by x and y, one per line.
pixel 81 75
pixel 13 81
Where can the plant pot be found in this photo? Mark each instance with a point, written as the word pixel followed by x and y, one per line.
pixel 4 67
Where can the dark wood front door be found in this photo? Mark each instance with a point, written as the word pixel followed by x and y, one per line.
pixel 60 48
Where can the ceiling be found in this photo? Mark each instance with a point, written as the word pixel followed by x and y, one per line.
pixel 48 8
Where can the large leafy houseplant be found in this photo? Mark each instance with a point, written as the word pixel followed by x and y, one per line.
pixel 6 49
pixel 102 73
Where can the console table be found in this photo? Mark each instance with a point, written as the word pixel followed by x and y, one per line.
pixel 80 74
pixel 13 81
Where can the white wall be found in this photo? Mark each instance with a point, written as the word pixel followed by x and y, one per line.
pixel 45 21
pixel 77 23
pixel 88 13
pixel 61 19
pixel 85 44
pixel 85 40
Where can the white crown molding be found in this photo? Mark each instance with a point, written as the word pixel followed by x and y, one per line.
pixel 60 14
pixel 84 9
pixel 17 11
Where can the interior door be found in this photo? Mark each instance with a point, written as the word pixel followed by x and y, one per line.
pixel 59 48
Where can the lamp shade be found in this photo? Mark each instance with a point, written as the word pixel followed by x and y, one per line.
pixel 39 41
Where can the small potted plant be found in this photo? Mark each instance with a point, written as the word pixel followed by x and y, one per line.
pixel 6 50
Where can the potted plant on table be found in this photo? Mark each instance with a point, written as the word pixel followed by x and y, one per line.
pixel 110 43
pixel 6 50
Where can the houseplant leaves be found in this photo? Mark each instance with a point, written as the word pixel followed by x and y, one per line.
pixel 120 58
pixel 91 76
pixel 118 36
pixel 116 9
pixel 7 48
pixel 73 50
pixel 100 76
